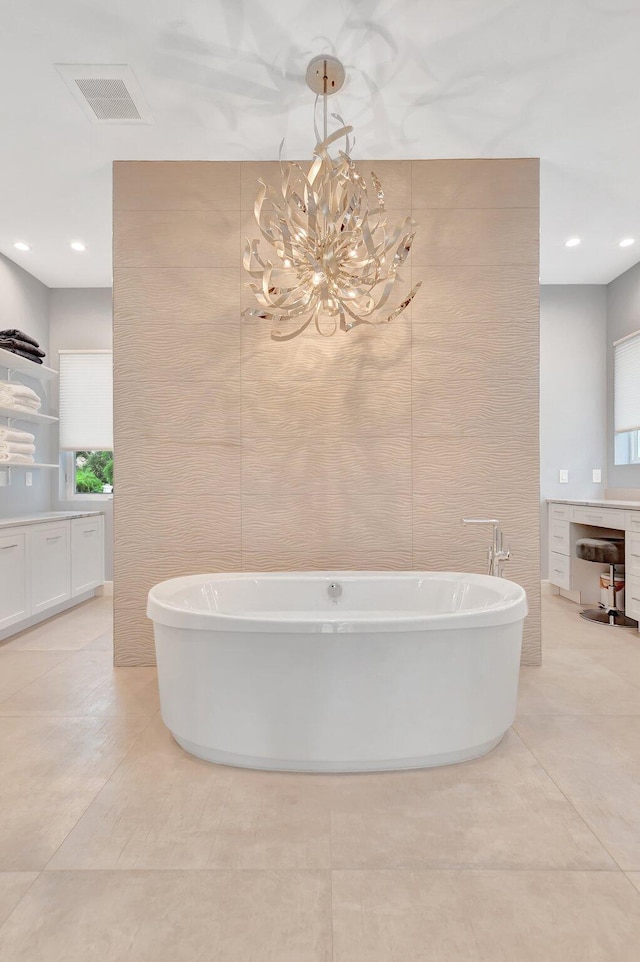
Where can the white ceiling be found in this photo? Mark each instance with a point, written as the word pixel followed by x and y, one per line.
pixel 557 79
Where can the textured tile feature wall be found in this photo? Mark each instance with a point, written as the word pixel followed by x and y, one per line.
pixel 360 451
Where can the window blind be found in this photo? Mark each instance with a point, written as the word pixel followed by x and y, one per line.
pixel 86 401
pixel 626 381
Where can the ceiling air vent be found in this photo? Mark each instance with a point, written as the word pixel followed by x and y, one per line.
pixel 107 93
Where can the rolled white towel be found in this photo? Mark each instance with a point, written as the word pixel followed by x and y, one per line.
pixel 19 403
pixel 18 390
pixel 11 447
pixel 16 458
pixel 19 437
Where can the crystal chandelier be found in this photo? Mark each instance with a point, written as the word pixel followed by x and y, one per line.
pixel 333 260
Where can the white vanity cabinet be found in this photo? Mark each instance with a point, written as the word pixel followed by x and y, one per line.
pixel 48 563
pixel 87 554
pixel 577 579
pixel 14 599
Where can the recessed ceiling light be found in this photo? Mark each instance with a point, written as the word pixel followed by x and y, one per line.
pixel 626 242
pixel 21 246
pixel 572 242
pixel 78 246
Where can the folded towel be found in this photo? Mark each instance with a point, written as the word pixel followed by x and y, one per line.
pixel 12 447
pixel 19 405
pixel 15 344
pixel 20 353
pixel 20 390
pixel 33 402
pixel 16 458
pixel 20 335
pixel 19 437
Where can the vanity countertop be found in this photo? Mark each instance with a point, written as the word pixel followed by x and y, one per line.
pixel 602 503
pixel 43 516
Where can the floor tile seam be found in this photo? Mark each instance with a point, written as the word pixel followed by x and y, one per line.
pixel 566 797
pixel 289 870
pixel 24 894
pixel 406 867
pixel 501 869
pixel 627 873
pixel 331 902
pixel 577 714
pixel 99 790
pixel 202 870
pixel 38 677
pixel 93 715
pixel 634 887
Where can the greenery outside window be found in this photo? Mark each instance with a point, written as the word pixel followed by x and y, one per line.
pixel 92 473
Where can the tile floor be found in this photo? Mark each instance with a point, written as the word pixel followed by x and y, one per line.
pixel 116 845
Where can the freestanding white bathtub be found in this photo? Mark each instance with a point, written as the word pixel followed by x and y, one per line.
pixel 338 672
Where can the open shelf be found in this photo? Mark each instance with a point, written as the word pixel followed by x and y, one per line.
pixel 25 366
pixel 27 467
pixel 32 416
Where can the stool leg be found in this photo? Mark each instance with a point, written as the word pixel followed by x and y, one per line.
pixel 612 595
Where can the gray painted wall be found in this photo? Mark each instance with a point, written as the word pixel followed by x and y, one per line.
pixel 24 304
pixel 623 311
pixel 573 394
pixel 81 320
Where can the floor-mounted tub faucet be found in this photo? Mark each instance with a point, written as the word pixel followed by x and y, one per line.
pixel 497 554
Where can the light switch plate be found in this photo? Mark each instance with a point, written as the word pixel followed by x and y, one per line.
pixel 3 479
pixel 564 476
pixel 596 476
pixel 28 478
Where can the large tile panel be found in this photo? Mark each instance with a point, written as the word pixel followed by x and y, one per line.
pixel 482 916
pixel 172 917
pixel 175 238
pixel 52 769
pixel 475 237
pixel 176 185
pixel 475 183
pixel 594 760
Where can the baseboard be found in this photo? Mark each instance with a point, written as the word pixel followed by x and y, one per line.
pixel 571 595
pixel 21 626
pixel 105 589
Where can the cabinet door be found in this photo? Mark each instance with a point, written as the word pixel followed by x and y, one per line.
pixel 87 555
pixel 14 601
pixel 50 565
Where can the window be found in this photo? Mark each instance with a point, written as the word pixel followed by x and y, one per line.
pixel 86 422
pixel 92 472
pixel 626 377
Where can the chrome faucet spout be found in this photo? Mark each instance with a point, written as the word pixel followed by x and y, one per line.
pixel 497 554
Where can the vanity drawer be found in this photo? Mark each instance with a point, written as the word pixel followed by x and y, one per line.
pixel 559 512
pixel 560 569
pixel 633 521
pixel 559 537
pixel 632 553
pixel 632 598
pixel 601 517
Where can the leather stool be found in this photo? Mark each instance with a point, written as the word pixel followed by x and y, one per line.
pixel 608 551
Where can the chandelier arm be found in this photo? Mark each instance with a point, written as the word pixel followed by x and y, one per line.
pixel 410 296
pixel 321 148
pixel 378 189
pixel 279 336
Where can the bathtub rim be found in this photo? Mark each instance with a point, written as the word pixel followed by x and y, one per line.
pixel 512 607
